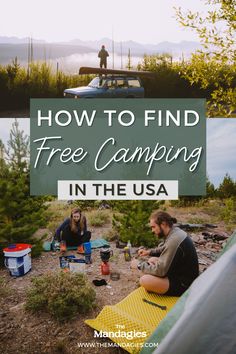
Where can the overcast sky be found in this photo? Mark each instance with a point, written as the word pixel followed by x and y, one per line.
pixel 221 148
pixel 150 21
pixel 221 145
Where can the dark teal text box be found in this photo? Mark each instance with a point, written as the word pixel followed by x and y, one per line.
pixel 170 128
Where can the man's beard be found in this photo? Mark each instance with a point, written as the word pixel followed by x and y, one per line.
pixel 161 233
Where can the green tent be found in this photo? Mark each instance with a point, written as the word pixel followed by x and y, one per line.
pixel 204 318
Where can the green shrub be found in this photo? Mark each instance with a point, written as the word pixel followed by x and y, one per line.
pixel 85 204
pixel 110 235
pixel 168 80
pixel 98 217
pixel 18 85
pixel 37 248
pixel 57 213
pixel 186 201
pixel 227 188
pixel 63 295
pixel 131 221
pixel 213 208
pixel 228 213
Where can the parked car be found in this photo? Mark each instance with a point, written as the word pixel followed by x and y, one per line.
pixel 109 86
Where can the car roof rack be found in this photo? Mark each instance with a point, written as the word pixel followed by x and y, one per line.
pixel 86 70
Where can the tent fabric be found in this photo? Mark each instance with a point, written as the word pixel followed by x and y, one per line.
pixel 231 241
pixel 203 320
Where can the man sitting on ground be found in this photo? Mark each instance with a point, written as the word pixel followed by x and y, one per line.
pixel 173 265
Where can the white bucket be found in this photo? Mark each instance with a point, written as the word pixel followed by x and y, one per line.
pixel 17 259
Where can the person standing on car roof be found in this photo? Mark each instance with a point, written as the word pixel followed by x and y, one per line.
pixel 103 54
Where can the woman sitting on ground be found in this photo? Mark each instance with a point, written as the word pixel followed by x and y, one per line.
pixel 74 229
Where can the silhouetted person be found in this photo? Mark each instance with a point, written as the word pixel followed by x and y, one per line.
pixel 103 54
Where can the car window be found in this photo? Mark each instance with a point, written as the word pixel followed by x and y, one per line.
pixel 133 83
pixel 97 82
pixel 110 83
pixel 121 83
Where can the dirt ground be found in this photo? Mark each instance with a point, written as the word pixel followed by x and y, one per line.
pixel 23 333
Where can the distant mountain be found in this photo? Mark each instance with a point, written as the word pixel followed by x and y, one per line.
pixel 16 40
pixel 41 51
pixel 183 46
pixel 136 48
pixel 108 44
pixel 11 47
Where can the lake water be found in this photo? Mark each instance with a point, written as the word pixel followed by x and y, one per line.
pixel 72 63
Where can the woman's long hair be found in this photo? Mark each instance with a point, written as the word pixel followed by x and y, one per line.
pixel 73 224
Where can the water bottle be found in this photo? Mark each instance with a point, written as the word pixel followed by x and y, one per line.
pixel 129 246
pixel 87 252
pixel 127 254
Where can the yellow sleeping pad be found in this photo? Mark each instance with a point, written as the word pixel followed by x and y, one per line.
pixel 130 322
